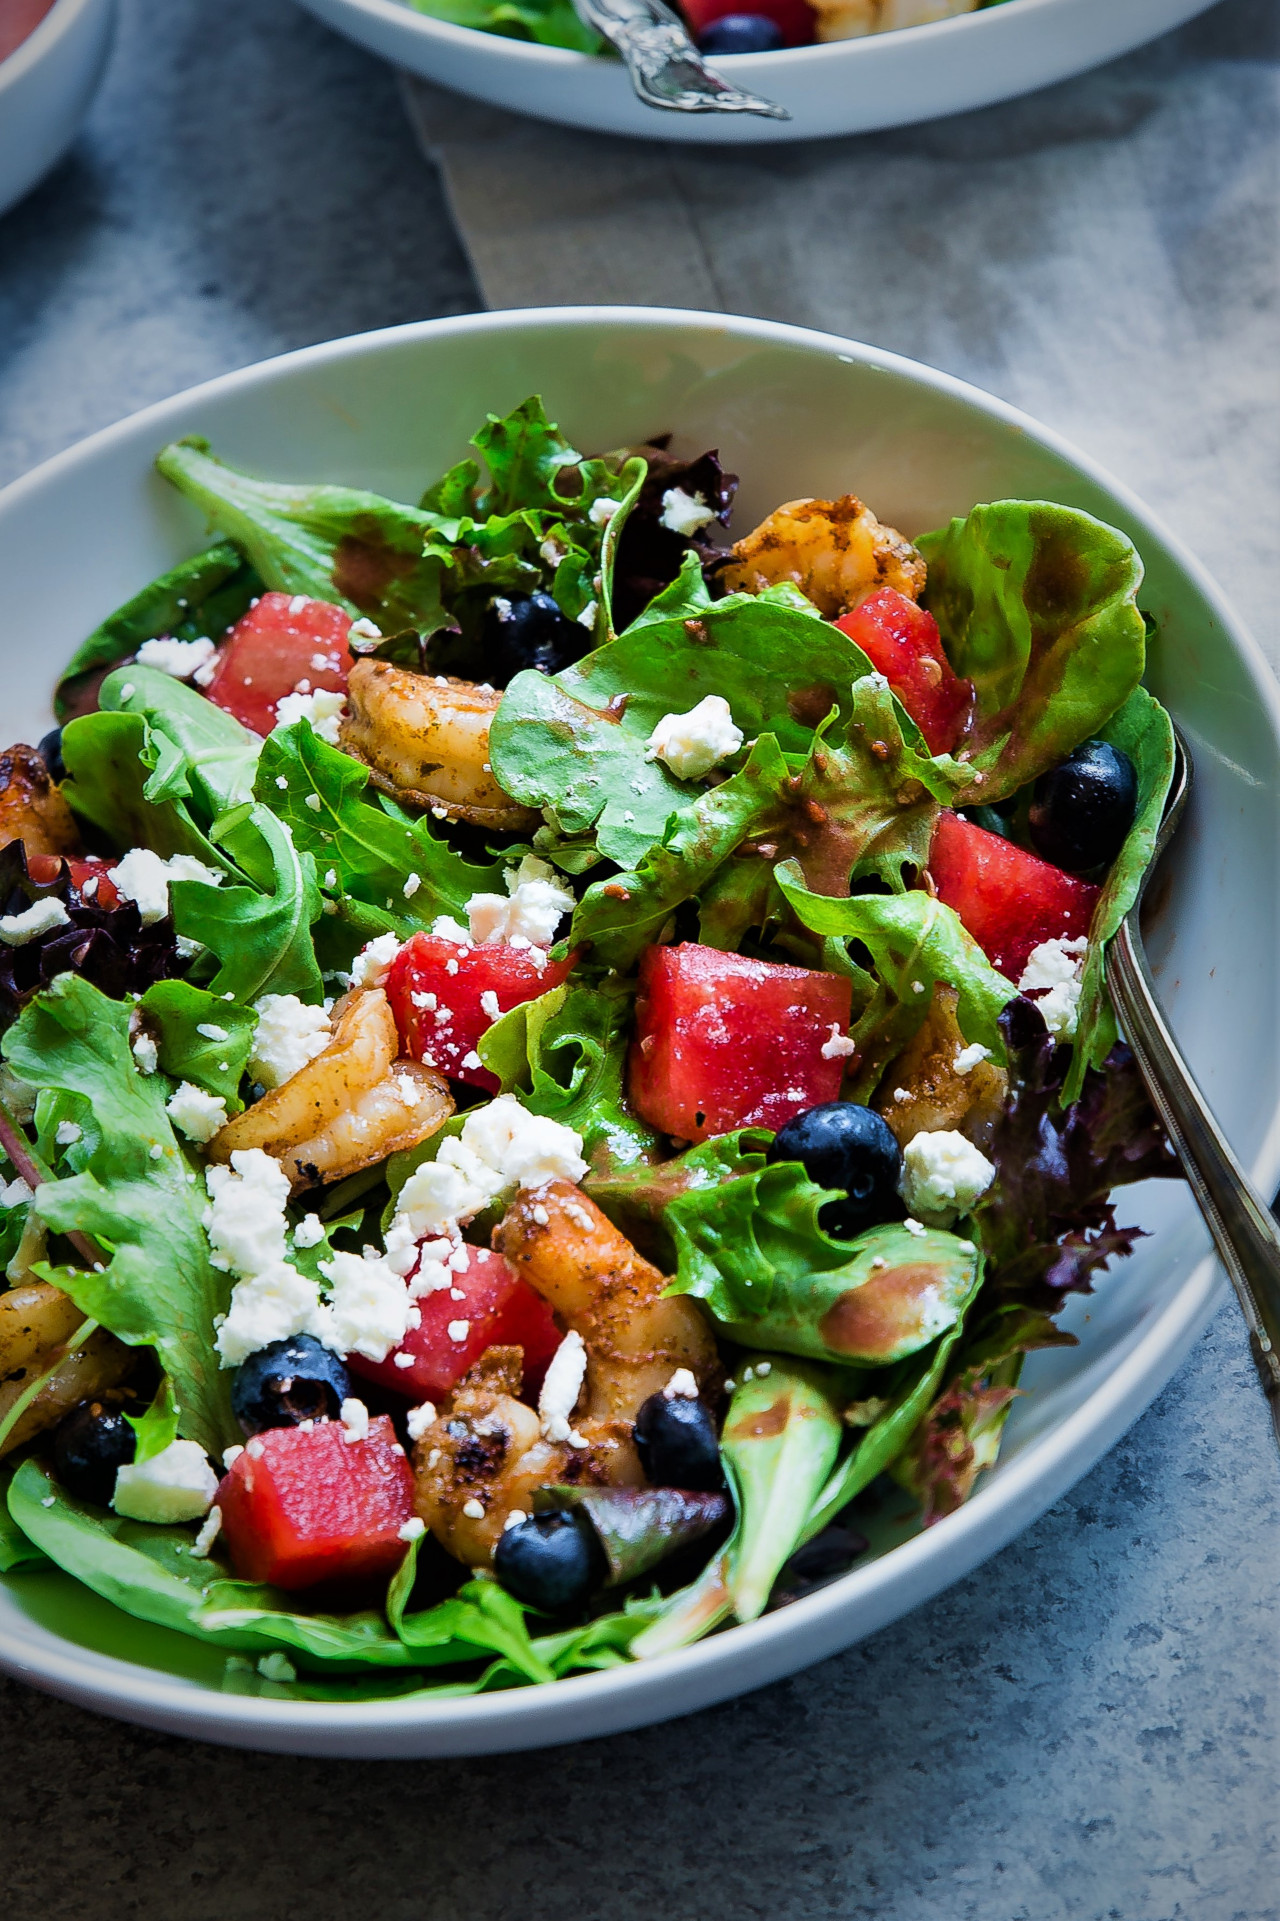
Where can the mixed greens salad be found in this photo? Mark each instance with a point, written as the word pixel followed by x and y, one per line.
pixel 550 1056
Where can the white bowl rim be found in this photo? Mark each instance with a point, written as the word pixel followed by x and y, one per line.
pixel 60 20
pixel 1027 1485
pixel 566 58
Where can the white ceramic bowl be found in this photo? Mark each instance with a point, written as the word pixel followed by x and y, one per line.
pixel 795 413
pixel 853 86
pixel 46 86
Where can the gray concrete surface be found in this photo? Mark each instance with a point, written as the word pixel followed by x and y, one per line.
pixel 1085 1730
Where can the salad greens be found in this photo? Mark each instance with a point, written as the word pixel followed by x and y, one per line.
pixel 894 1350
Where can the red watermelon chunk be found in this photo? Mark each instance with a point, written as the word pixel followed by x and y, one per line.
pixel 305 1505
pixel 724 1042
pixel 441 1014
pixel 489 1305
pixel 902 642
pixel 285 644
pixel 1008 899
pixel 93 873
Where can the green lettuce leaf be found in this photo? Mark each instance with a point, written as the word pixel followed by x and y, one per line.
pixel 565 1054
pixel 549 23
pixel 132 1193
pixel 174 1013
pixel 203 755
pixel 364 840
pixel 1144 732
pixel 913 942
pixel 111 759
pixel 1037 606
pixel 199 598
pixel 260 934
pixel 154 1430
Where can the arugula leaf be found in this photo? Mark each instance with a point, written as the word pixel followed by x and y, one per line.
pixel 753 1249
pixel 575 743
pixel 203 754
pixel 174 1013
pixel 1046 1223
pixel 261 934
pixel 1036 604
pixel 132 1195
pixel 913 941
pixel 365 840
pixel 565 1053
pixel 199 598
pixel 155 1429
pixel 340 544
pixel 1144 732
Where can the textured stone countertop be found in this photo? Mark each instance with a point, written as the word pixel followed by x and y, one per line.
pixel 1085 1729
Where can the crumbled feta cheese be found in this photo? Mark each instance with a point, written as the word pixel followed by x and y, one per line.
pixel 276 1667
pixel 143 878
pixel 67 1133
pixel 177 1484
pixel 354 1416
pixel 913 1227
pixel 1053 973
pixel 516 1518
pixel 473 1509
pixel 230 1455
pixel 943 1173
pixel 968 1058
pixel 684 513
pixel 196 1114
pixel 180 658
pixel 837 1046
pixel 525 1148
pixel 419 1419
pixel 561 1387
pixel 532 909
pixel 34 922
pixel 471 1060
pixel 601 511
pixel 587 618
pixel 298 604
pixel 413 1529
pixel 445 927
pixel 322 708
pixel 681 1387
pixel 128 691
pixel 208 1534
pixel 692 744
pixel 288 1035
pixel 489 1004
pixel 145 1053
pixel 412 883
pixel 363 630
pixel 458 1331
pixel 373 962
pixel 16 1193
pixel 211 1031
pixel 270 1306
pixel 369 1304
pixel 245 1219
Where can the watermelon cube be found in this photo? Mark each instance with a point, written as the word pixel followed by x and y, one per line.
pixel 302 1505
pixel 724 1042
pixel 489 1305
pixel 1008 899
pixel 445 995
pixel 285 644
pixel 902 642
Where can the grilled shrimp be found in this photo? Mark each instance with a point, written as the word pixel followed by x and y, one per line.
pixel 835 551
pixel 851 19
pixel 351 1106
pixel 922 1092
pixel 487 1446
pixel 425 740
pixel 36 1322
pixel 32 809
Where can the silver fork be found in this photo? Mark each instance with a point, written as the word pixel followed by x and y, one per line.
pixel 1243 1227
pixel 666 68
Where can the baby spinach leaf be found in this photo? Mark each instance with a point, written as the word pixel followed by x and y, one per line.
pixel 1036 604
pixel 913 942
pixel 199 598
pixel 175 1012
pixel 261 934
pixel 340 544
pixel 1144 732
pixel 369 845
pixel 133 1196
pixel 566 1055
pixel 201 754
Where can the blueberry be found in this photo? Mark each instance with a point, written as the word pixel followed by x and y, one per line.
pixel 529 630
pixel 50 752
pixel 677 1444
pixel 553 1561
pixel 1082 809
pixel 88 1447
pixel 742 33
pixel 842 1145
pixel 287 1383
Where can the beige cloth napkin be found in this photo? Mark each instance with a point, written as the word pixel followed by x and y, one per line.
pixel 1105 254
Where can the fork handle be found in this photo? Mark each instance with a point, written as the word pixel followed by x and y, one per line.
pixel 1243 1227
pixel 665 67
